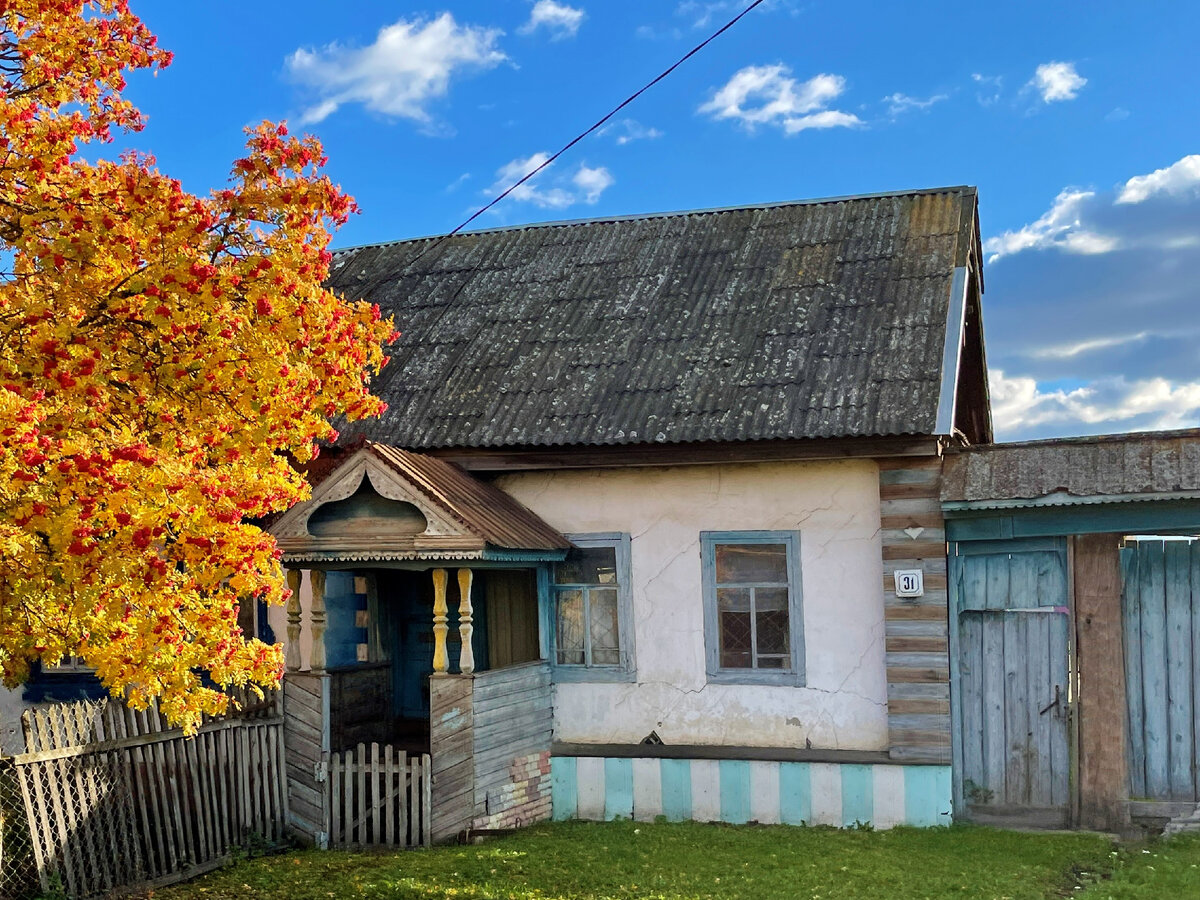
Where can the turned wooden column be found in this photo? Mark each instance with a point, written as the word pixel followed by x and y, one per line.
pixel 466 659
pixel 291 653
pixel 317 617
pixel 440 620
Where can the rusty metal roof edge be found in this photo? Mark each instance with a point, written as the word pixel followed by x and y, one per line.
pixel 1061 498
pixel 667 214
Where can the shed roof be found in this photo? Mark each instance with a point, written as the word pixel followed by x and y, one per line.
pixel 1072 470
pixel 795 320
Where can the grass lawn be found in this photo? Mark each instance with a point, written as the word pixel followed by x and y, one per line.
pixel 587 861
pixel 1169 870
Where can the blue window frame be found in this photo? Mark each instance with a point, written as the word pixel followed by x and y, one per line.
pixel 592 631
pixel 753 611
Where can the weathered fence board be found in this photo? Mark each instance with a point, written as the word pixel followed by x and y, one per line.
pixel 1161 612
pixel 115 798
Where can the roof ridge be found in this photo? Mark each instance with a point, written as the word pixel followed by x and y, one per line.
pixel 1110 438
pixel 667 214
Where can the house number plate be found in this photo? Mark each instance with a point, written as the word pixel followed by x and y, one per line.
pixel 909 583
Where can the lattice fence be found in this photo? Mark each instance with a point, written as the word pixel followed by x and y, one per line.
pixel 105 797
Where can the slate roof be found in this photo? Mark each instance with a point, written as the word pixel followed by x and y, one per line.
pixel 813 319
pixel 1070 470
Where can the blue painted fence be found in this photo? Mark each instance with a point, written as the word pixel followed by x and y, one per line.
pixel 741 791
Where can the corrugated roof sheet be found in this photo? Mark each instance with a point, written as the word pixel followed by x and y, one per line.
pixel 802 320
pixel 1088 467
pixel 482 508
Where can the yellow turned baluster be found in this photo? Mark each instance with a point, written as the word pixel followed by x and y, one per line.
pixel 317 615
pixel 291 653
pixel 440 660
pixel 466 663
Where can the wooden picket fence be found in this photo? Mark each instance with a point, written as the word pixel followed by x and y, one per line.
pixel 116 798
pixel 379 799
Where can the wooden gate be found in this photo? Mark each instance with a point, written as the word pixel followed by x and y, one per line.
pixel 378 799
pixel 1161 612
pixel 1009 602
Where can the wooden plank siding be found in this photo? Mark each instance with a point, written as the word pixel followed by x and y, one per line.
pixel 916 631
pixel 513 719
pixel 451 723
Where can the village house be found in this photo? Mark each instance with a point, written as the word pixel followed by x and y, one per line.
pixel 665 468
pixel 699 515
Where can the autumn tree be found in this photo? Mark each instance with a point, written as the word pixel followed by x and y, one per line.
pixel 162 357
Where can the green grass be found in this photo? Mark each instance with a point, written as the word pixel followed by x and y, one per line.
pixel 1166 870
pixel 587 861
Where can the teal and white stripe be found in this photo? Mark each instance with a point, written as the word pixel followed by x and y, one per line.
pixel 739 791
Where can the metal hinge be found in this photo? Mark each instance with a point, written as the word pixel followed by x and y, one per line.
pixel 321 771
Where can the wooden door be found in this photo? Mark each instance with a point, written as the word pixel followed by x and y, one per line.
pixel 1161 621
pixel 1013 698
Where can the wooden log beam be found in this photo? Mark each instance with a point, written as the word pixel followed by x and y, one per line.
pixel 1102 703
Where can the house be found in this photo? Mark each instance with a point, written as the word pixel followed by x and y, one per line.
pixel 665 468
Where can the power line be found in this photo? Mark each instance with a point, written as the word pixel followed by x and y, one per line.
pixel 624 103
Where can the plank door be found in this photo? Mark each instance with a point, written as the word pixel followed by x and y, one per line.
pixel 1012 748
pixel 1161 621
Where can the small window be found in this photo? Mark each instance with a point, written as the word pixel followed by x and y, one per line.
pixel 70 665
pixel 593 633
pixel 752 613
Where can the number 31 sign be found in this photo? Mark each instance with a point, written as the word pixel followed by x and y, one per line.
pixel 909 583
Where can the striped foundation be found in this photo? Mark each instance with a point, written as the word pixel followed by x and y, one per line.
pixel 740 791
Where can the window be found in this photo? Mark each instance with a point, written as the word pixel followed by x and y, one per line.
pixel 753 623
pixel 593 621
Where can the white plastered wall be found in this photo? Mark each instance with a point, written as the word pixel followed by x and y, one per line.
pixel 834 506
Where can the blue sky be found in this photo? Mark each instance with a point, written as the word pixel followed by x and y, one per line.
pixel 1079 124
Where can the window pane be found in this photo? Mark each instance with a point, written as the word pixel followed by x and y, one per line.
pixel 605 636
pixel 771 614
pixel 570 627
pixel 588 565
pixel 771 662
pixel 751 563
pixel 733 615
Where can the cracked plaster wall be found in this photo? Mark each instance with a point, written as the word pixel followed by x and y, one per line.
pixel 834 506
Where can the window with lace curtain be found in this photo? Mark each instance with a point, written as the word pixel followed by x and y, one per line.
pixel 754 626
pixel 593 628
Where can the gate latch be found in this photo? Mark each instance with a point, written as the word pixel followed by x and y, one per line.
pixel 1053 703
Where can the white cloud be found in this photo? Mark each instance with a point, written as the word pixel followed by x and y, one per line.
pixel 1057 81
pixel 585 185
pixel 1061 227
pixel 560 20
pixel 898 104
pixel 1110 404
pixel 990 88
pixel 626 131
pixel 704 13
pixel 1091 345
pixel 758 95
pixel 410 63
pixel 1178 179
pixel 592 182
